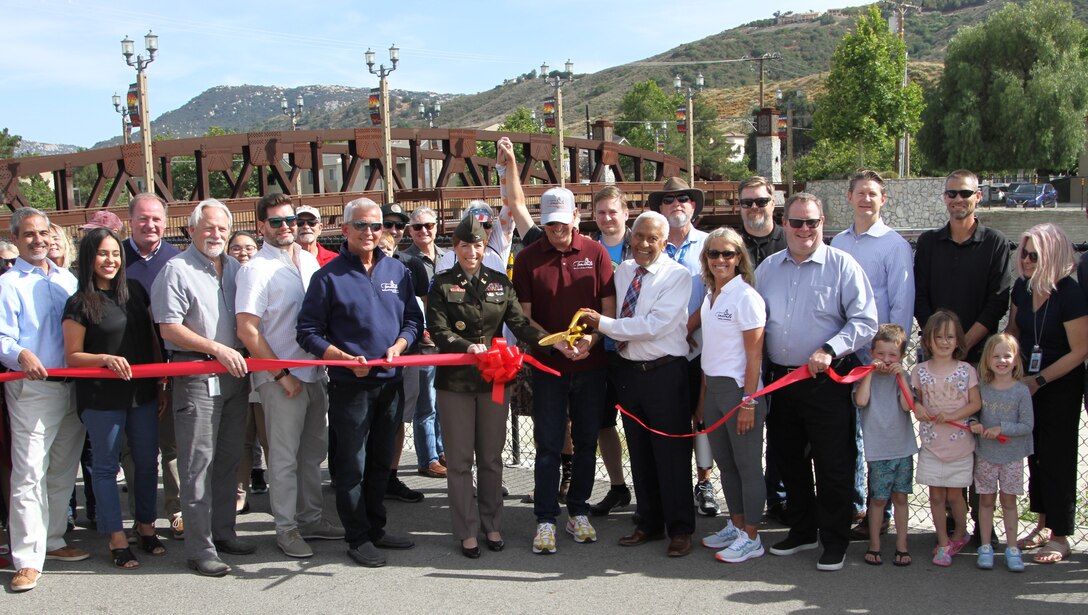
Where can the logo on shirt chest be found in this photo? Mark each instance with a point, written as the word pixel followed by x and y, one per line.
pixel 389 287
pixel 724 315
pixel 581 265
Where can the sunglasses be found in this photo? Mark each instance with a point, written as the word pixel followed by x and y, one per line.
pixel 963 194
pixel 760 202
pixel 278 222
pixel 311 222
pixel 419 226
pixel 681 198
pixel 798 222
pixel 1029 256
pixel 396 225
pixel 8 262
pixel 716 254
pixel 362 225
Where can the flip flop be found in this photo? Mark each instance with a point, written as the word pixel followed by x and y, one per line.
pixel 1052 553
pixel 902 559
pixel 873 558
pixel 1035 539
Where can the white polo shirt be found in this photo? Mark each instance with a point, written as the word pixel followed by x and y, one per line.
pixel 271 287
pixel 738 308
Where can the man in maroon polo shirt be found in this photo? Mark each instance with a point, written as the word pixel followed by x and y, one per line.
pixel 553 279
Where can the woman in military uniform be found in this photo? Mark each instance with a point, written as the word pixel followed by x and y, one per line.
pixel 467 307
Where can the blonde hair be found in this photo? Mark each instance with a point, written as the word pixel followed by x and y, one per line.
pixel 893 334
pixel 936 323
pixel 65 244
pixel 744 264
pixel 985 372
pixel 1056 258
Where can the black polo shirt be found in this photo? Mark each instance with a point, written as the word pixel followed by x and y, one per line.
pixel 760 248
pixel 972 279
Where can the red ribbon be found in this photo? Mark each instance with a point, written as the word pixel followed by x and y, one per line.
pixel 797 375
pixel 499 365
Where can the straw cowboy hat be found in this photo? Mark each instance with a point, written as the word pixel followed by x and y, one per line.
pixel 672 186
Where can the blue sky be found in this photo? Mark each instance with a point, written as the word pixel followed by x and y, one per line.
pixel 61 59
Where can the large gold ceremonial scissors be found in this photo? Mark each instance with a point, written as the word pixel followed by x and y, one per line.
pixel 573 333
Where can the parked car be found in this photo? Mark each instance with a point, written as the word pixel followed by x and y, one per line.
pixel 995 193
pixel 1032 195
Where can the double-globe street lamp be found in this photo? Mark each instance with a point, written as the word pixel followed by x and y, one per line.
pixel 690 119
pixel 557 83
pixel 295 113
pixel 383 73
pixel 151 43
pixel 430 114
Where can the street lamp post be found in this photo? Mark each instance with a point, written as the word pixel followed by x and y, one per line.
pixel 430 114
pixel 659 133
pixel 539 120
pixel 151 43
pixel 557 82
pixel 295 113
pixel 678 84
pixel 383 73
pixel 126 125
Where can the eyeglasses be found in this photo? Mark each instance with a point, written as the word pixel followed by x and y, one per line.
pixel 798 222
pixel 311 222
pixel 419 226
pixel 716 254
pixel 240 248
pixel 681 198
pixel 760 202
pixel 362 225
pixel 963 194
pixel 396 225
pixel 8 263
pixel 278 222
pixel 1029 256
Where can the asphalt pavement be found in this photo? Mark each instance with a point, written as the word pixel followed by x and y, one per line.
pixel 603 577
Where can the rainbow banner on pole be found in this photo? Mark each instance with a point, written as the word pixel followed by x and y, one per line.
pixel 375 105
pixel 133 102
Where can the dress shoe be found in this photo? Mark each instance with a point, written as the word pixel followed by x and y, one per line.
pixel 434 470
pixel 25 579
pixel 367 555
pixel 470 552
pixel 639 537
pixel 394 541
pixel 618 496
pixel 213 567
pixel 234 547
pixel 680 545
pixel 67 554
pixel 495 545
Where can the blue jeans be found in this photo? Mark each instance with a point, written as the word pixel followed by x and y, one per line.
pixel 581 396
pixel 365 418
pixel 426 431
pixel 105 428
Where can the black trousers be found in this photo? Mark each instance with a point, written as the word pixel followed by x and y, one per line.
pixel 1052 483
pixel 811 425
pixel 660 466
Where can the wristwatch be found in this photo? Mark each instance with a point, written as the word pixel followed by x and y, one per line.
pixel 283 373
pixel 828 349
pixel 1039 380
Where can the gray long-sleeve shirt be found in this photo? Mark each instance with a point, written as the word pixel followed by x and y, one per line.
pixel 1011 409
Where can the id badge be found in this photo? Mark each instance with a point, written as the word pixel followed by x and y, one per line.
pixel 213 386
pixel 1035 362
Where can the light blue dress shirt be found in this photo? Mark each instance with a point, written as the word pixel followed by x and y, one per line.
pixel 824 299
pixel 888 263
pixel 31 309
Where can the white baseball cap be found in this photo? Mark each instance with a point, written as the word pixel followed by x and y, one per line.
pixel 557 205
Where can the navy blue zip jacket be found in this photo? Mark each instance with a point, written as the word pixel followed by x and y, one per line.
pixel 361 314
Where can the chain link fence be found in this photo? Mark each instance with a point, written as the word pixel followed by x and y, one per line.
pixel 520 452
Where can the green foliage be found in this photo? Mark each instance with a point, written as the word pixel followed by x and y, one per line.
pixel 865 103
pixel 183 169
pixel 8 143
pixel 838 160
pixel 1014 92
pixel 38 193
pixel 521 120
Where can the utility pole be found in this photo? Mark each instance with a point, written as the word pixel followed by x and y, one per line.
pixel 383 77
pixel 902 149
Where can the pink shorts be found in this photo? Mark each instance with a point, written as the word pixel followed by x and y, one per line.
pixel 1010 476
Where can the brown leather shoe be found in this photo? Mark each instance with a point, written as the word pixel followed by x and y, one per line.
pixel 639 537
pixel 26 579
pixel 680 545
pixel 435 470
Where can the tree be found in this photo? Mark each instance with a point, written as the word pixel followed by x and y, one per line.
pixel 1014 92
pixel 521 120
pixel 8 143
pixel 866 103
